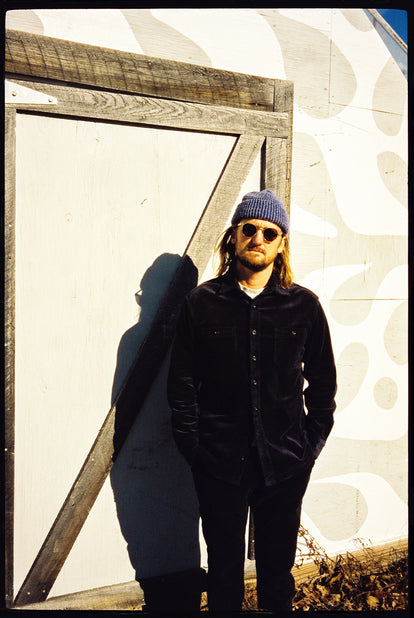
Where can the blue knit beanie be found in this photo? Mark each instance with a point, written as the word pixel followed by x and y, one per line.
pixel 262 205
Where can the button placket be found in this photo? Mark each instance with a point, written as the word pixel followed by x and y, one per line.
pixel 254 362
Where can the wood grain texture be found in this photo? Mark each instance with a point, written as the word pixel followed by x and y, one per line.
pixel 125 596
pixel 9 315
pixel 279 154
pixel 55 59
pixel 274 164
pixel 160 112
pixel 120 418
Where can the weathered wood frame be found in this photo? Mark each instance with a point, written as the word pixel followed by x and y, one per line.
pixel 103 84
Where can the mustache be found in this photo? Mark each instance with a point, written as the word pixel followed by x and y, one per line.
pixel 256 248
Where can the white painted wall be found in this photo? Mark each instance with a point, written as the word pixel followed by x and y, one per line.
pixel 98 207
pixel 80 258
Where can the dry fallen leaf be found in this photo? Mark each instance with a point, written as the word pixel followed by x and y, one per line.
pixel 373 602
pixel 348 583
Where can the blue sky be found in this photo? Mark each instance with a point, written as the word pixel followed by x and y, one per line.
pixel 397 19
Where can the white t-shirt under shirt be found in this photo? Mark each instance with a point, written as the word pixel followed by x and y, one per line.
pixel 250 291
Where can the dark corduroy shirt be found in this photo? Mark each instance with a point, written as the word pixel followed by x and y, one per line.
pixel 237 376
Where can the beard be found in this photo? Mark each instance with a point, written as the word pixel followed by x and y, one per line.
pixel 254 266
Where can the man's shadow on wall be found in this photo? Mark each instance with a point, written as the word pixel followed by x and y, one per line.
pixel 152 484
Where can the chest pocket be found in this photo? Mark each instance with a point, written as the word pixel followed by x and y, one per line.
pixel 289 345
pixel 218 342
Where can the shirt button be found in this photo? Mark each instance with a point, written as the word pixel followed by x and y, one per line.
pixel 254 382
pixel 254 306
pixel 254 332
pixel 254 357
pixel 242 458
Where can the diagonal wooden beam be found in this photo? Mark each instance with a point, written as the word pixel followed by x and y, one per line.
pixel 123 413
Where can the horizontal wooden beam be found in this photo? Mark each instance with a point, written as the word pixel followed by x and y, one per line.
pixel 383 553
pixel 77 63
pixel 122 415
pixel 125 596
pixel 126 108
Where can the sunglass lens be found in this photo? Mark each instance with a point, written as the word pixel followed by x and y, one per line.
pixel 249 230
pixel 269 234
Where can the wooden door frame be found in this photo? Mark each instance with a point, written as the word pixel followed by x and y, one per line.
pixel 90 82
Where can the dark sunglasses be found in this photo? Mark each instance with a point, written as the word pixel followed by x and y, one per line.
pixel 269 233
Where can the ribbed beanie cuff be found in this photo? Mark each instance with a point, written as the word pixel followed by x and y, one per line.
pixel 262 205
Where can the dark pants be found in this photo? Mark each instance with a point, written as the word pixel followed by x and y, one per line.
pixel 276 516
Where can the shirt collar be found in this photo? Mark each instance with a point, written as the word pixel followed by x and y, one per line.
pixel 229 283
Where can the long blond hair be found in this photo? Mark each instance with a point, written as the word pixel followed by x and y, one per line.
pixel 225 252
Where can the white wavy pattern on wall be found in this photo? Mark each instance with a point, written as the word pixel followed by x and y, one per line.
pixel 349 218
pixel 380 498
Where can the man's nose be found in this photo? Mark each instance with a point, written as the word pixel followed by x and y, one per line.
pixel 257 239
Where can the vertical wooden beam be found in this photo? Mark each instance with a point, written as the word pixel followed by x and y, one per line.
pixel 283 101
pixel 122 415
pixel 274 177
pixel 9 315
pixel 277 152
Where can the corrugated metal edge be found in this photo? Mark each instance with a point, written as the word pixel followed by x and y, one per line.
pixel 395 45
pixel 379 18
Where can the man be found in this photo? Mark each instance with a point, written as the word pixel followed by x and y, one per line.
pixel 245 343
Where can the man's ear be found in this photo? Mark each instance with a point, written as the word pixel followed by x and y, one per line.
pixel 233 236
pixel 282 245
